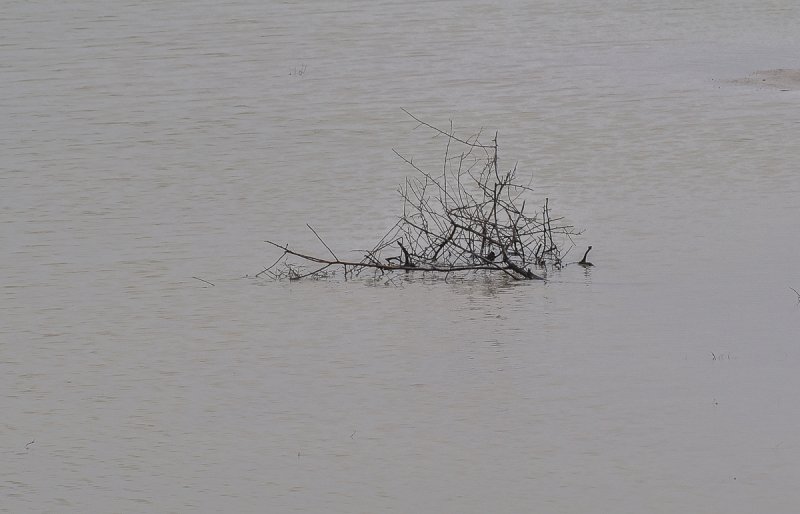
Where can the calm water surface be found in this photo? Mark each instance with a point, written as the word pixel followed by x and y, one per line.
pixel 148 143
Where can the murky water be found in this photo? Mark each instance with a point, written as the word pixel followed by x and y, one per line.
pixel 148 143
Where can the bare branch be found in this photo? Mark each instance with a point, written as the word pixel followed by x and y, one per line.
pixel 321 241
pixel 449 135
pixel 466 217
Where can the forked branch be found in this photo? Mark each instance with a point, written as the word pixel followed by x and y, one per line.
pixel 467 217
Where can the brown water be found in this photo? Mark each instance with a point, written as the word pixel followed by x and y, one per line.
pixel 148 143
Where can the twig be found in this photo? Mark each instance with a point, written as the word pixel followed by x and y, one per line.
pixel 266 270
pixel 451 136
pixel 321 241
pixel 206 281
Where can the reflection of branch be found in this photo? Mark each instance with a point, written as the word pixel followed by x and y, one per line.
pixel 795 292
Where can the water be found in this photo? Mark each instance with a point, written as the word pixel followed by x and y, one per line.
pixel 148 143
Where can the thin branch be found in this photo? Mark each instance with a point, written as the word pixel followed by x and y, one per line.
pixel 476 145
pixel 321 241
pixel 201 280
pixel 266 270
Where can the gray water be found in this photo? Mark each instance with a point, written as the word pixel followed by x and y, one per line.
pixel 147 143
